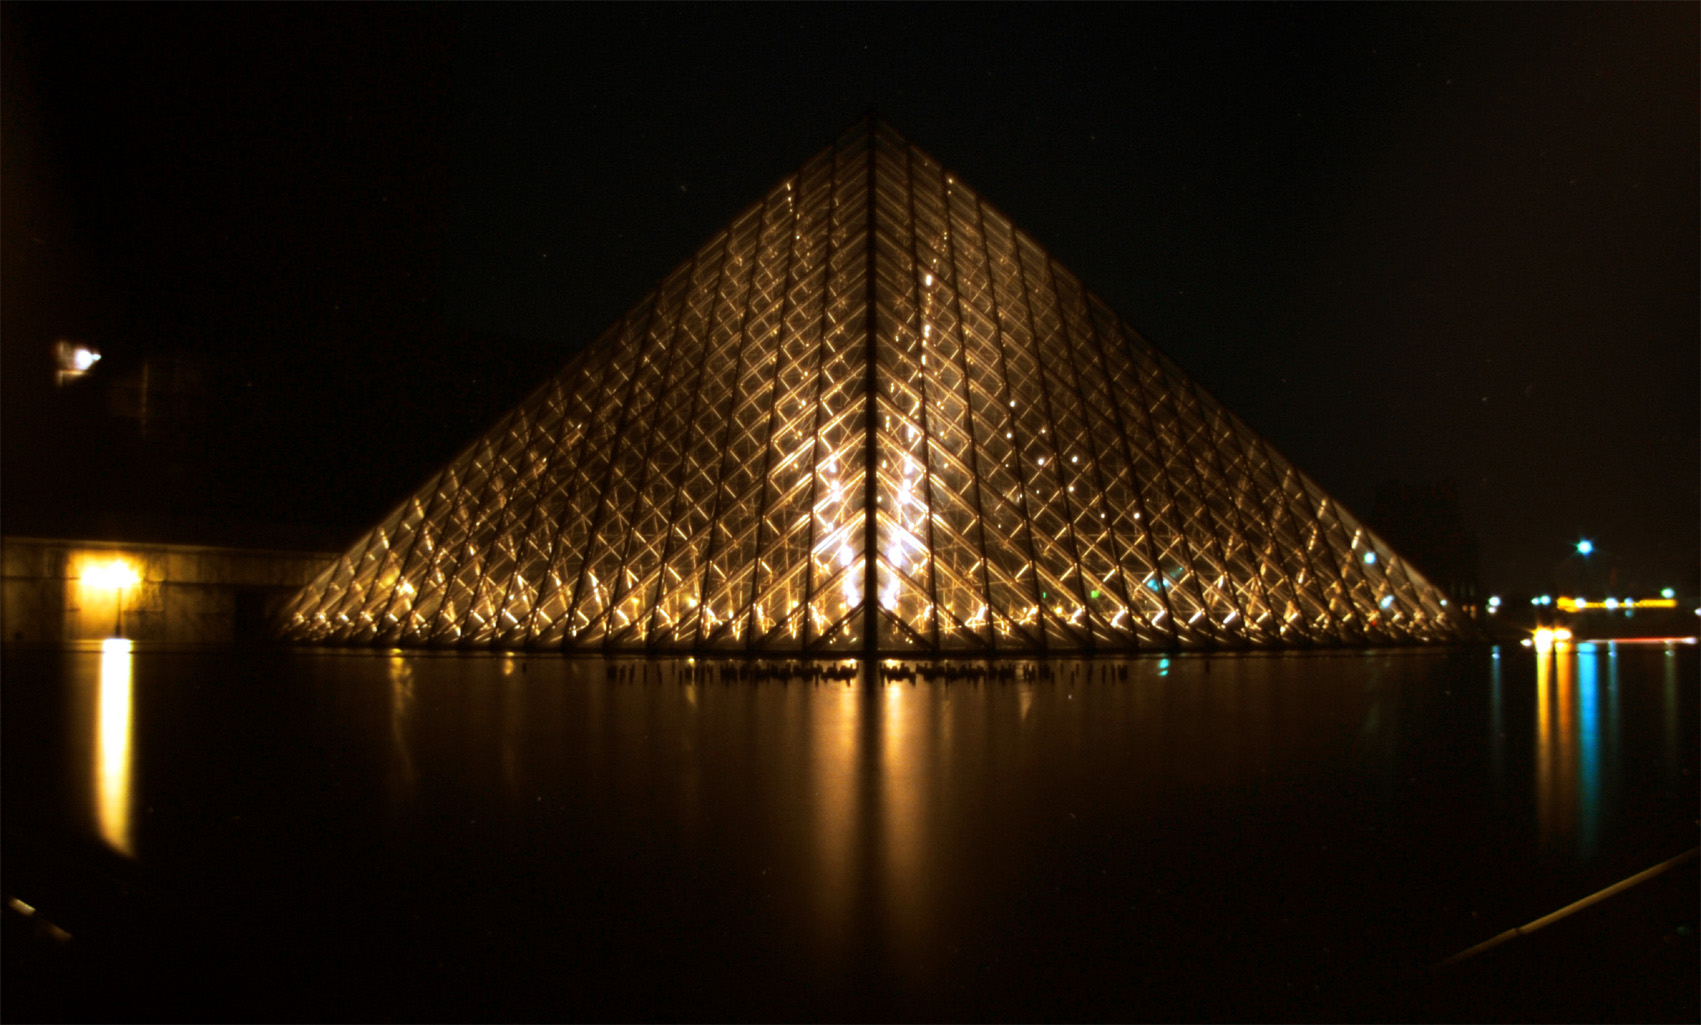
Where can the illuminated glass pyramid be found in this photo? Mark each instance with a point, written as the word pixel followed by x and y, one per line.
pixel 713 475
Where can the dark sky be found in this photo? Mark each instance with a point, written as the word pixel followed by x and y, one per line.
pixel 1405 242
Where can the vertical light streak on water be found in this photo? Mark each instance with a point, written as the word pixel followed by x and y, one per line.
pixel 1565 742
pixel 113 755
pixel 903 817
pixel 1612 744
pixel 513 727
pixel 1544 743
pixel 833 754
pixel 1589 751
pixel 403 777
pixel 1612 708
pixel 1496 726
pixel 1668 695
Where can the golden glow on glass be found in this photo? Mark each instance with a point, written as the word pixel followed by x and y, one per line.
pixel 870 381
pixel 113 756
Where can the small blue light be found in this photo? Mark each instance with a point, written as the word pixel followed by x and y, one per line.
pixel 1370 558
pixel 1668 593
pixel 1585 546
pixel 1494 602
pixel 1390 600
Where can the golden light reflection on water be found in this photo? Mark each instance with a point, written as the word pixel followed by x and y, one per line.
pixel 113 755
pixel 901 792
pixel 404 776
pixel 872 821
pixel 1576 747
pixel 834 774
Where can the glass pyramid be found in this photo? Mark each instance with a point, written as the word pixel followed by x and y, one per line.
pixel 870 384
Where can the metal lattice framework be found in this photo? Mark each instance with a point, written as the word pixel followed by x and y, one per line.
pixel 870 383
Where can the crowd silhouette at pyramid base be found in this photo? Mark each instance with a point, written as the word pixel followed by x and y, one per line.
pixel 870 416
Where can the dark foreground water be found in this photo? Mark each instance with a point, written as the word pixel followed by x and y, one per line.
pixel 284 835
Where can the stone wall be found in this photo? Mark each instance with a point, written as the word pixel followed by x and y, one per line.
pixel 56 591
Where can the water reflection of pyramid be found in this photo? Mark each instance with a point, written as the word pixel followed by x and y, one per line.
pixel 710 474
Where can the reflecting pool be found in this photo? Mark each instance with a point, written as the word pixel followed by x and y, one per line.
pixel 402 835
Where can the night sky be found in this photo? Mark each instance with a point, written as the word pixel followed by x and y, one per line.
pixel 1406 243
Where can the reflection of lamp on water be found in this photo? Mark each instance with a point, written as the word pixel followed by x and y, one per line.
pixel 117 575
pixel 113 714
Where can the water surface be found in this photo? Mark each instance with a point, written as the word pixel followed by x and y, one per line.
pixel 357 835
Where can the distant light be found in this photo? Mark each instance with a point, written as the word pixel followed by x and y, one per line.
pixel 1579 604
pixel 1095 592
pixel 1561 634
pixel 74 359
pixel 1494 601
pixel 1585 546
pixel 1390 600
pixel 1666 592
pixel 1370 558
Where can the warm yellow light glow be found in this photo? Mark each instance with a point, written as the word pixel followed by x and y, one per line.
pixel 112 746
pixel 1580 604
pixel 115 574
pixel 74 359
